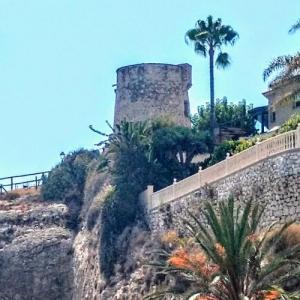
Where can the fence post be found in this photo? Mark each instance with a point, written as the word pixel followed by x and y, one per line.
pixel 257 150
pixel 149 196
pixel 36 182
pixel 11 183
pixel 199 175
pixel 297 144
pixel 226 163
pixel 173 187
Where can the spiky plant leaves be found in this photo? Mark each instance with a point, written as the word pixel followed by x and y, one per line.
pixel 248 261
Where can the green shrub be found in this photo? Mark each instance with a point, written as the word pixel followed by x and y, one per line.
pixel 290 124
pixel 68 177
pixel 231 147
pixel 66 182
pixel 244 144
pixel 221 151
pixel 227 113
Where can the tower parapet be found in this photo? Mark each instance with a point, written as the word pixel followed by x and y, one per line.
pixel 152 90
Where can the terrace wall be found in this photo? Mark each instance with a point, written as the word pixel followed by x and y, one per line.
pixel 270 177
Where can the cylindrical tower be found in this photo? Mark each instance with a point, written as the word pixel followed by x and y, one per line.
pixel 149 91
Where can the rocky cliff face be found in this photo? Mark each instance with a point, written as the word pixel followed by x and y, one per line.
pixel 131 279
pixel 41 259
pixel 35 251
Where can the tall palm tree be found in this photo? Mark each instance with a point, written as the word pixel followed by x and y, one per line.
pixel 208 37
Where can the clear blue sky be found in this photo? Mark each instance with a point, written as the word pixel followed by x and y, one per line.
pixel 58 60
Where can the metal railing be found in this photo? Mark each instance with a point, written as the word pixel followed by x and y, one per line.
pixel 11 183
pixel 272 146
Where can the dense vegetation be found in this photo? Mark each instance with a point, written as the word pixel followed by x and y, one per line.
pixel 66 182
pixel 227 114
pixel 142 153
pixel 231 259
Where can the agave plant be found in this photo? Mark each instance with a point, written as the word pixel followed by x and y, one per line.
pixel 125 134
pixel 242 261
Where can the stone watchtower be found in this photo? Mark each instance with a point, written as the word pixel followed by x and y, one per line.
pixel 148 91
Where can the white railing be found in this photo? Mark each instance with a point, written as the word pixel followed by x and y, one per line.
pixel 278 144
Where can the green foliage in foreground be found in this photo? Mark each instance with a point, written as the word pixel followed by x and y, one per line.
pixel 234 258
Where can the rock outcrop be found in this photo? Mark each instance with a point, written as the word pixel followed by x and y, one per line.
pixel 35 251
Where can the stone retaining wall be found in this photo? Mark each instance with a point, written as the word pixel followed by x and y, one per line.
pixel 274 182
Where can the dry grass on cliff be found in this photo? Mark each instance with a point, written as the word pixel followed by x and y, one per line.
pixel 15 194
pixel 291 237
pixel 95 208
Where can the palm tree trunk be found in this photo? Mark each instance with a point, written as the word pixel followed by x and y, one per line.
pixel 212 92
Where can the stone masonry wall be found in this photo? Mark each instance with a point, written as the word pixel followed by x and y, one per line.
pixel 147 91
pixel 274 182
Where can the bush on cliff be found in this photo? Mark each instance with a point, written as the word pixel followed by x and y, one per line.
pixel 142 153
pixel 66 181
pixel 173 149
pixel 129 147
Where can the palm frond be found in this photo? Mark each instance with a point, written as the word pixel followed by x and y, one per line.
pixel 200 49
pixel 279 63
pixel 223 60
pixel 295 27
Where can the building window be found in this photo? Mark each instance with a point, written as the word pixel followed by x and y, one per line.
pixel 273 116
